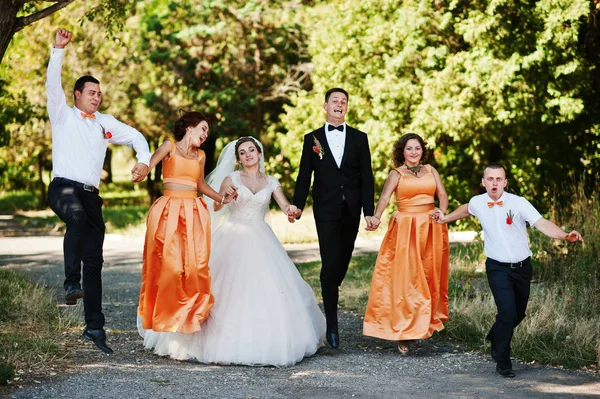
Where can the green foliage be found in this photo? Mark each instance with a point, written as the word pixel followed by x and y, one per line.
pixel 562 262
pixel 13 201
pixel 237 61
pixel 509 81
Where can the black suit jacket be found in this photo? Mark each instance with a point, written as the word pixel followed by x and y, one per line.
pixel 353 180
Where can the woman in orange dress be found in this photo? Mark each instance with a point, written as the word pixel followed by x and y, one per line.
pixel 175 295
pixel 409 290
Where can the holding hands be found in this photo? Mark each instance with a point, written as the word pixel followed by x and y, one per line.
pixel 293 213
pixel 63 37
pixel 230 194
pixel 139 172
pixel 373 223
pixel 438 216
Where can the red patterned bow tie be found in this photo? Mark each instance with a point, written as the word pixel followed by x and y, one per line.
pixel 491 204
pixel 91 116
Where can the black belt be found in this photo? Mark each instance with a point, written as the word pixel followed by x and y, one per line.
pixel 514 265
pixel 82 186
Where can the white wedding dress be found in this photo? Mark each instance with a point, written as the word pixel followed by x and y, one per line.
pixel 264 312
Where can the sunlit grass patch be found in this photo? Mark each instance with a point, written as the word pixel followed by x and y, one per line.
pixel 122 219
pixel 13 201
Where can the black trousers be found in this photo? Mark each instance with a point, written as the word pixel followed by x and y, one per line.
pixel 82 212
pixel 336 243
pixel 510 287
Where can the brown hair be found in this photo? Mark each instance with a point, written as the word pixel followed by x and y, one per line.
pixel 400 144
pixel 188 119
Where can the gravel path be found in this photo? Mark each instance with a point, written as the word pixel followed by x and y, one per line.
pixel 361 368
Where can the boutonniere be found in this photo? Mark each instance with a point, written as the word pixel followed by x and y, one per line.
pixel 107 135
pixel 509 217
pixel 318 148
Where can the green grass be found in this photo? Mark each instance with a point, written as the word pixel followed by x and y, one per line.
pixel 30 322
pixel 14 201
pixel 125 219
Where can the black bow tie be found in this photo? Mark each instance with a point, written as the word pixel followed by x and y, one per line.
pixel 331 127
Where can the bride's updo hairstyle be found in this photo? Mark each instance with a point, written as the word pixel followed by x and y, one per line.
pixel 187 119
pixel 246 139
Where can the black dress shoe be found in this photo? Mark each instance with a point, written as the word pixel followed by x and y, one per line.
pixel 333 338
pixel 98 337
pixel 73 294
pixel 505 372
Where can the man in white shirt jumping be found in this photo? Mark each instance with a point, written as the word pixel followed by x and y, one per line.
pixel 503 217
pixel 80 136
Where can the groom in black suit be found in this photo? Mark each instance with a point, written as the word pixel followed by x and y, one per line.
pixel 340 158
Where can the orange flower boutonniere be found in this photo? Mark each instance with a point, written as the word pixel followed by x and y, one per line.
pixel 107 135
pixel 318 148
pixel 509 217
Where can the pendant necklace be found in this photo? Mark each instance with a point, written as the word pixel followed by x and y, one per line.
pixel 414 169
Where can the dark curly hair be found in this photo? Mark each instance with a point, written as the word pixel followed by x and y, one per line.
pixel 400 144
pixel 246 139
pixel 188 119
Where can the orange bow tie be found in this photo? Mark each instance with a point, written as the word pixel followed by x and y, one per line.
pixel 91 116
pixel 491 204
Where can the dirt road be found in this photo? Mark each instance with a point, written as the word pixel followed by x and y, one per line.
pixel 361 368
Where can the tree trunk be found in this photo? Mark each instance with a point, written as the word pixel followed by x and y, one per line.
pixel 107 175
pixel 8 19
pixel 42 186
pixel 153 183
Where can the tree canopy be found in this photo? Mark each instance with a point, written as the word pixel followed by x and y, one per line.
pixel 509 81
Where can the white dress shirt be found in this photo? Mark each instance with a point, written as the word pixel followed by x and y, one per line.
pixel 337 142
pixel 78 144
pixel 503 241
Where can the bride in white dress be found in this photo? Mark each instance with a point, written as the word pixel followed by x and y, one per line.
pixel 264 312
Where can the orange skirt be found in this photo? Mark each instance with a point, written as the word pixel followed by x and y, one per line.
pixel 175 295
pixel 409 290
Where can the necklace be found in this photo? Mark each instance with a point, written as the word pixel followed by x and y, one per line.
pixel 258 176
pixel 414 169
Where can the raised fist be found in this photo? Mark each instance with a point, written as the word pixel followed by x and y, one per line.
pixel 63 37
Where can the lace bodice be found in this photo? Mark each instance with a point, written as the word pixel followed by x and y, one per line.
pixel 248 205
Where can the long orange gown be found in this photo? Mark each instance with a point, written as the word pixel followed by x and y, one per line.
pixel 175 295
pixel 409 290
